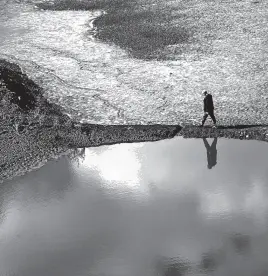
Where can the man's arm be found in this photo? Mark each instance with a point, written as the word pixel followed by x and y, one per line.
pixel 211 102
pixel 205 104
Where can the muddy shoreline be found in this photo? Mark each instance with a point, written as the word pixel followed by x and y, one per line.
pixel 32 130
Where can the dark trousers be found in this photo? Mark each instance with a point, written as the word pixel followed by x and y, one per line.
pixel 211 114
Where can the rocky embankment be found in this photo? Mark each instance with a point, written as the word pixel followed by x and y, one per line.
pixel 33 130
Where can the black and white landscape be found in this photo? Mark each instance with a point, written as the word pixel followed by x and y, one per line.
pixel 104 168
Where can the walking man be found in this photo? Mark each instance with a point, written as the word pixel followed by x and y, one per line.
pixel 208 108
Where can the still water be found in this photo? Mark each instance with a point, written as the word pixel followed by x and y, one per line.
pixel 169 208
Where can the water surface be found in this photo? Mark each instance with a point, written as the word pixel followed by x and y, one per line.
pixel 140 209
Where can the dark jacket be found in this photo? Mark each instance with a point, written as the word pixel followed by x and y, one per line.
pixel 208 103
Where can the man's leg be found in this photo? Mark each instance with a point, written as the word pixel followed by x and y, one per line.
pixel 211 114
pixel 204 118
pixel 206 144
pixel 214 144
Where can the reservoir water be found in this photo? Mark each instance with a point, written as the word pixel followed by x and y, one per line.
pixel 169 208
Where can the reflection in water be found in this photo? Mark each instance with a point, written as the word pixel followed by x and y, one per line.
pixel 211 152
pixel 241 243
pixel 177 267
pixel 101 217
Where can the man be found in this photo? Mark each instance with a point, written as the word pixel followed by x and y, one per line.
pixel 208 108
pixel 211 152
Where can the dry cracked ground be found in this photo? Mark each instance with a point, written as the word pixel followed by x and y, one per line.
pixel 216 45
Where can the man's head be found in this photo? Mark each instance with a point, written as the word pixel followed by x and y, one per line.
pixel 211 166
pixel 205 93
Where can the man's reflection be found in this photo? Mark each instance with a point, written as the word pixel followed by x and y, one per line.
pixel 211 152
